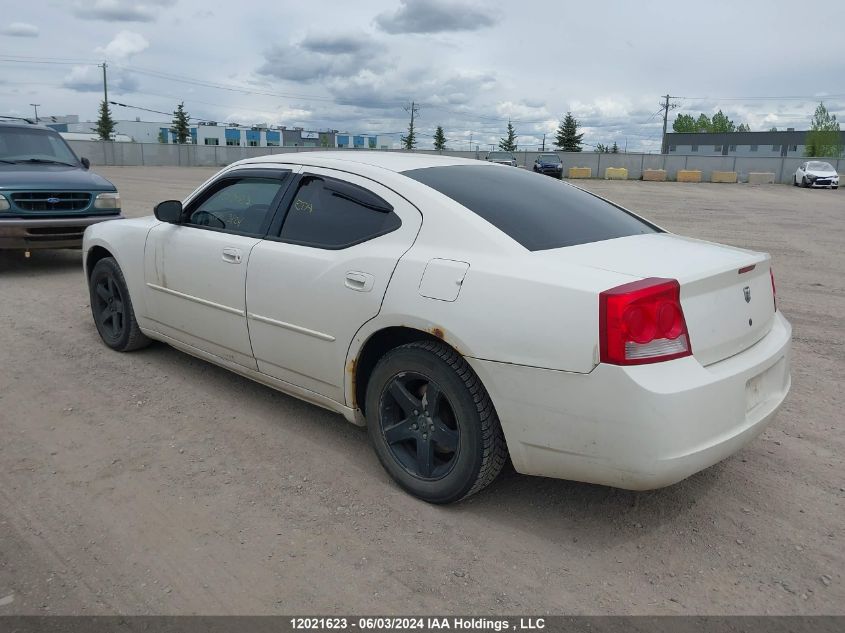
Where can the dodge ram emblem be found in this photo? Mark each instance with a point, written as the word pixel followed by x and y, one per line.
pixel 747 292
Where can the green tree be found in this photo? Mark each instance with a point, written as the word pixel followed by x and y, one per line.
pixel 180 124
pixel 614 149
pixel 743 127
pixel 105 124
pixel 439 139
pixel 824 137
pixel 409 141
pixel 601 148
pixel 773 129
pixel 684 123
pixel 508 144
pixel 567 137
pixel 703 124
pixel 721 123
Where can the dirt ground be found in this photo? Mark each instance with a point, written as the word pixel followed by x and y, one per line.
pixel 155 483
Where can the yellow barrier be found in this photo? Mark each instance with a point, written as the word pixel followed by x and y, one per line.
pixel 761 178
pixel 580 172
pixel 657 175
pixel 723 176
pixel 689 175
pixel 616 173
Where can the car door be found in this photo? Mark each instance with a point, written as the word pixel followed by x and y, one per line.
pixel 313 283
pixel 195 271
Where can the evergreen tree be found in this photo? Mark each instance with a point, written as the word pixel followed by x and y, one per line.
pixel 567 138
pixel 684 123
pixel 105 124
pixel 703 123
pixel 439 139
pixel 508 144
pixel 721 123
pixel 824 137
pixel 409 141
pixel 601 148
pixel 614 149
pixel 743 127
pixel 180 124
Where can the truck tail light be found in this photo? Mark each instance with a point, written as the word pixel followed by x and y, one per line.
pixel 642 322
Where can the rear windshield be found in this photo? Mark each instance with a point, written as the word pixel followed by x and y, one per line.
pixel 538 212
pixel 500 155
pixel 549 158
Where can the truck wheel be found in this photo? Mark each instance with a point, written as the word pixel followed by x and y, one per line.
pixel 111 308
pixel 432 423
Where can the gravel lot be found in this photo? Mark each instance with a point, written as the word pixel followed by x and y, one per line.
pixel 157 483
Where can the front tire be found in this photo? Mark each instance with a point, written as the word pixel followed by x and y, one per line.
pixel 112 309
pixel 804 182
pixel 432 423
pixel 794 180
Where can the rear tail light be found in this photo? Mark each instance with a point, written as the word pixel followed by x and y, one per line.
pixel 642 322
pixel 774 292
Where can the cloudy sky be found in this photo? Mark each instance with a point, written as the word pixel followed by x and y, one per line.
pixel 470 64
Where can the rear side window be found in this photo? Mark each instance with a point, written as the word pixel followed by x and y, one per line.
pixel 536 211
pixel 331 213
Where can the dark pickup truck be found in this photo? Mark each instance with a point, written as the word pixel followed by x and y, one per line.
pixel 47 194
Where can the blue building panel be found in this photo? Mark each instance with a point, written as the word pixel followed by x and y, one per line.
pixel 233 135
pixel 342 140
pixel 253 135
pixel 358 141
pixel 194 135
pixel 273 136
pixel 164 134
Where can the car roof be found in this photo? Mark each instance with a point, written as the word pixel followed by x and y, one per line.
pixel 391 161
pixel 24 124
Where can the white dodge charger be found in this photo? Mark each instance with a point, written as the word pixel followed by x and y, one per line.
pixel 463 311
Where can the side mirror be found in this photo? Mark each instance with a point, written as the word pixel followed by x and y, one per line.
pixel 85 162
pixel 169 211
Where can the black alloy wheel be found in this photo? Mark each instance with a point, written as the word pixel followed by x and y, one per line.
pixel 111 308
pixel 432 423
pixel 419 426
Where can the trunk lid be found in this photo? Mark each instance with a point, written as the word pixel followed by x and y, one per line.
pixel 726 311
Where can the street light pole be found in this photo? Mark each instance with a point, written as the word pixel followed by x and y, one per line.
pixel 35 105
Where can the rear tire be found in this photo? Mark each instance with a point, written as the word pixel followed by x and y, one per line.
pixel 794 180
pixel 443 448
pixel 112 309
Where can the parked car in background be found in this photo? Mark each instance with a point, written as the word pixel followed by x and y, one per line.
pixel 549 164
pixel 502 158
pixel 461 312
pixel 816 173
pixel 48 196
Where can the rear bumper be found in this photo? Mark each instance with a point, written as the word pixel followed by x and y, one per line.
pixel 32 233
pixel 639 427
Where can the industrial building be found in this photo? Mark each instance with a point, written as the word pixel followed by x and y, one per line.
pixel 788 143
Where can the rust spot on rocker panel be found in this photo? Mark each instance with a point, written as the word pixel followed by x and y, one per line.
pixel 351 367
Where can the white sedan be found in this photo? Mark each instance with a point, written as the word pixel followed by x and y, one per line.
pixel 463 311
pixel 816 173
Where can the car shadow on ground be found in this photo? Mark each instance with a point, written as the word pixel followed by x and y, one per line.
pixel 14 263
pixel 555 509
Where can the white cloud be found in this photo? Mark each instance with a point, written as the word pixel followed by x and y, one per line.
pixel 120 10
pixel 20 29
pixel 124 45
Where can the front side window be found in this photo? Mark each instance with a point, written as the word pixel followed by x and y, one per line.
pixel 333 214
pixel 539 213
pixel 238 205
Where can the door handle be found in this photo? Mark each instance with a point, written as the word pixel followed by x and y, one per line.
pixel 231 255
pixel 362 282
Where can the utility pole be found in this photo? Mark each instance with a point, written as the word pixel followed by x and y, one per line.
pixel 544 142
pixel 105 84
pixel 470 141
pixel 35 105
pixel 411 138
pixel 666 106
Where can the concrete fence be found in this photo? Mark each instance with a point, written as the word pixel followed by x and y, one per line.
pixel 166 155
